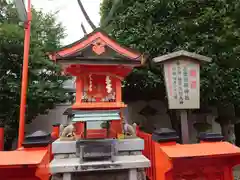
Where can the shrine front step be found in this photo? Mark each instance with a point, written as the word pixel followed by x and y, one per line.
pixel 105 175
pixel 121 162
pixel 133 166
pixel 116 175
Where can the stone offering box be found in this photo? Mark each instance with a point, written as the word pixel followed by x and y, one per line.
pixel 208 160
pixel 96 149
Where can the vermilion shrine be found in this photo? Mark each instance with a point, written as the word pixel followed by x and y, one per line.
pixel 100 65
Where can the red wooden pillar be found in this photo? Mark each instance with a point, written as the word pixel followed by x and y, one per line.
pixel 116 128
pixel 79 126
pixel 118 90
pixel 79 89
pixel 1 138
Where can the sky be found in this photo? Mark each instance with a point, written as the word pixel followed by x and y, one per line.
pixel 70 15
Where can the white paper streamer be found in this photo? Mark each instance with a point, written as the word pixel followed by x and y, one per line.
pixel 108 84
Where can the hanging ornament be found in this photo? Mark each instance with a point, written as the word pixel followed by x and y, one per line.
pixel 90 83
pixel 108 84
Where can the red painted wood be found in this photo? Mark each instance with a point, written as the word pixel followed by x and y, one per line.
pixel 26 163
pixel 1 138
pixel 149 153
pixel 99 133
pixel 112 70
pixel 169 162
pixel 79 126
pixel 91 40
pixel 116 127
pixel 79 88
pixel 96 133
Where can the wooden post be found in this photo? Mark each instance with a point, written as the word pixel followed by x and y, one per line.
pixel 85 130
pixel 1 137
pixel 184 126
pixel 118 91
pixel 79 89
pixel 108 128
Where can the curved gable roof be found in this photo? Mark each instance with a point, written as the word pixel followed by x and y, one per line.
pixel 89 40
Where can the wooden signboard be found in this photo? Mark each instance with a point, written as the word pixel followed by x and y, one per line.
pixel 182 80
pixel 182 84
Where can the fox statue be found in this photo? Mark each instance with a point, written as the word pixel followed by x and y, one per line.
pixel 130 130
pixel 67 132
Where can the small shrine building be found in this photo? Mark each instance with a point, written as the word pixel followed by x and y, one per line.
pixel 99 64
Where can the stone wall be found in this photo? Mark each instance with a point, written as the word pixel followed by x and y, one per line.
pixel 45 122
pixel 151 114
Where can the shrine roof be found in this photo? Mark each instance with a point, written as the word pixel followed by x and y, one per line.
pixel 96 46
pixel 22 157
pixel 217 149
pixel 181 53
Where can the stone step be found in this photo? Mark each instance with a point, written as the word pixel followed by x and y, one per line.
pixel 121 162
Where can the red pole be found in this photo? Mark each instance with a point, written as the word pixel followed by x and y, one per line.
pixel 1 137
pixel 55 131
pixel 27 29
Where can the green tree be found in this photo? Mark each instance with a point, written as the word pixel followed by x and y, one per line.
pixel 45 79
pixel 157 27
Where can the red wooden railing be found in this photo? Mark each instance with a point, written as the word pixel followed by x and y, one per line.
pixel 148 152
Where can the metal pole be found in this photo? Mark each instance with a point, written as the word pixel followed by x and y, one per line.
pixel 27 30
pixel 184 126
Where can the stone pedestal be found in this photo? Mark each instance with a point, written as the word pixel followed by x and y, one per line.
pixel 129 162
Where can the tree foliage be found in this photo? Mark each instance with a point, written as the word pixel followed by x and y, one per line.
pixel 157 27
pixel 45 79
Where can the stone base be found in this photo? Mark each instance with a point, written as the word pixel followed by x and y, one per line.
pixel 71 165
pixel 105 175
pixel 128 164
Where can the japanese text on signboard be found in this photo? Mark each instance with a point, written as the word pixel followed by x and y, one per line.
pixel 182 80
